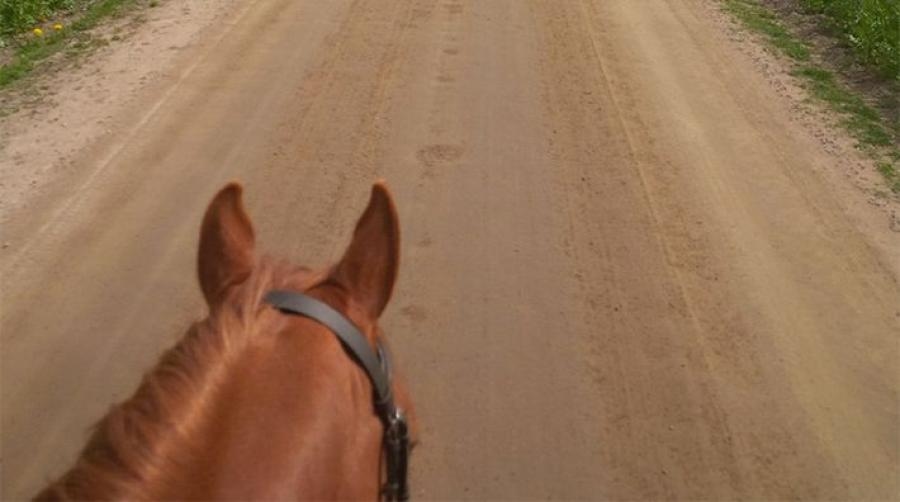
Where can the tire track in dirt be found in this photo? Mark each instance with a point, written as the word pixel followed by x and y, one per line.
pixel 626 282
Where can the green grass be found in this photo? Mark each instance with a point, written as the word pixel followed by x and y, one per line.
pixel 98 11
pixel 869 129
pixel 861 119
pixel 32 50
pixel 27 56
pixel 17 16
pixel 762 20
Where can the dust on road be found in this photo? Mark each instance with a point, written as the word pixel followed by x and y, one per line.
pixel 627 272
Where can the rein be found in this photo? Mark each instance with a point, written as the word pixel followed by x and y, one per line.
pixel 377 365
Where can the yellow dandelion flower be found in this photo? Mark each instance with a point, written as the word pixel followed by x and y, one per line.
pixel 58 27
pixel 38 32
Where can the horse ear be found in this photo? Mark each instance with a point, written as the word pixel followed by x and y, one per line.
pixel 226 255
pixel 369 266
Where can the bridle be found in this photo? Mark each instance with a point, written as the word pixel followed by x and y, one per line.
pixel 377 365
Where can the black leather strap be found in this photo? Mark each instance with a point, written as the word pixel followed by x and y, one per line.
pixel 376 367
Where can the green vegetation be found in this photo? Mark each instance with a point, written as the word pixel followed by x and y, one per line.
pixel 17 16
pixel 872 27
pixel 27 55
pixel 870 130
pixel 762 20
pixel 863 121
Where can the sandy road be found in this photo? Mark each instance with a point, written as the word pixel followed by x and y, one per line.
pixel 625 273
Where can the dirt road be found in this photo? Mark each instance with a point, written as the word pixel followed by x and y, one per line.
pixel 628 273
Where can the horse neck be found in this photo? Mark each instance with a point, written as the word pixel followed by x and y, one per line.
pixel 270 408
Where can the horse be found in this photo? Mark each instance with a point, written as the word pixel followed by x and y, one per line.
pixel 256 403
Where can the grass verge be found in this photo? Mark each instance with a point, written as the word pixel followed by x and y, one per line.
pixel 32 49
pixel 870 130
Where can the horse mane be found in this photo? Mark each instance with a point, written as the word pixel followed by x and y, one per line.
pixel 140 440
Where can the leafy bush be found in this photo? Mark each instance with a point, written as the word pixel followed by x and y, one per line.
pixel 871 26
pixel 19 15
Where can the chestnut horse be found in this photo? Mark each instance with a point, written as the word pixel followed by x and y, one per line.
pixel 253 403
